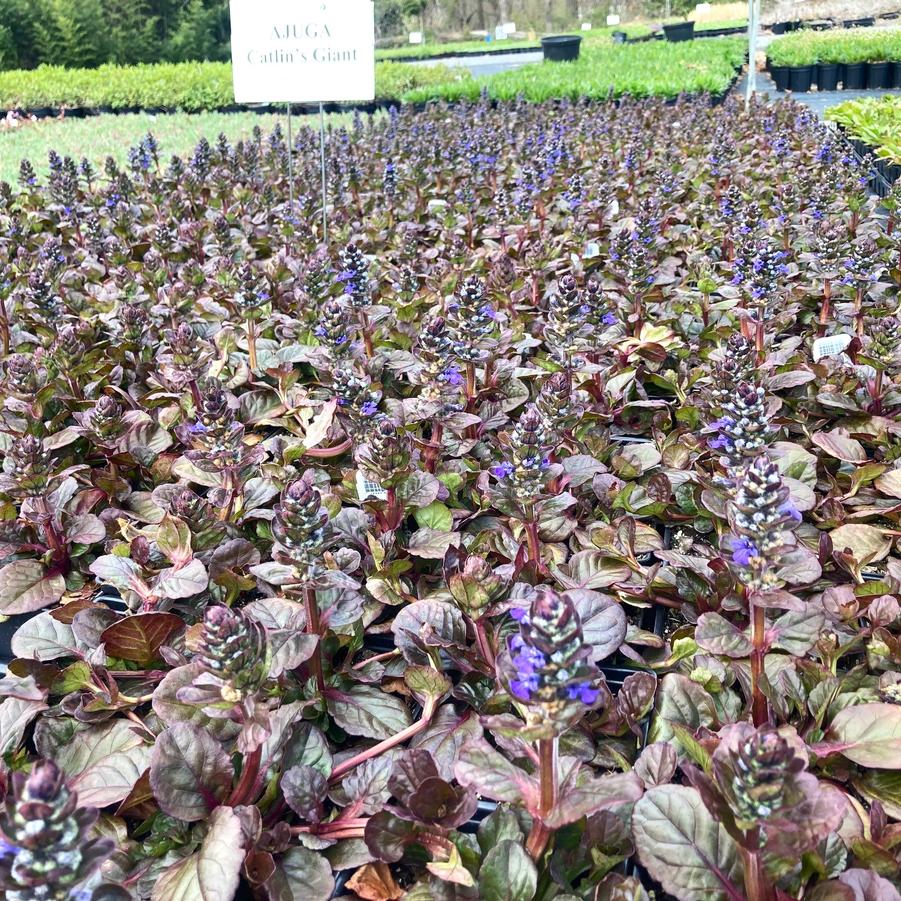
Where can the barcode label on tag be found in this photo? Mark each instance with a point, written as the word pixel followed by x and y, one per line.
pixel 369 489
pixel 830 346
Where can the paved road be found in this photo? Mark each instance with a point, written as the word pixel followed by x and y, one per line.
pixel 486 63
pixel 818 101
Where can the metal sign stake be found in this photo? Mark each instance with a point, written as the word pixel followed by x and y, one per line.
pixel 324 182
pixel 290 161
pixel 753 25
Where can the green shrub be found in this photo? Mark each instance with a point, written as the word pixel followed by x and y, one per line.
pixel 186 86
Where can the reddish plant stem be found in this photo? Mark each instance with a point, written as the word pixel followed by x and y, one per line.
pixel 195 394
pixel 758 885
pixel 433 449
pixel 367 333
pixel 877 393
pixel 348 832
pixel 540 835
pixel 825 307
pixel 336 451
pixel 386 656
pixel 470 384
pixel 244 788
pixel 759 706
pixel 4 328
pixel 313 628
pixel 252 345
pixel 420 725
pixel 484 642
pixel 533 542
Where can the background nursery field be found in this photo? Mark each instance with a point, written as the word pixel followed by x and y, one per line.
pixel 529 535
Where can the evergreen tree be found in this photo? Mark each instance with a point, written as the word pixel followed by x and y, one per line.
pixel 193 37
pixel 77 34
pixel 133 32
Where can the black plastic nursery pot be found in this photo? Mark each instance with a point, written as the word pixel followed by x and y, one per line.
pixel 896 74
pixel 619 37
pixel 680 31
pixel 879 75
pixel 827 76
pixel 800 78
pixel 865 22
pixel 8 628
pixel 561 48
pixel 855 78
pixel 780 76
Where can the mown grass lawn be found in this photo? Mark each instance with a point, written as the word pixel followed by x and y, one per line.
pixel 98 137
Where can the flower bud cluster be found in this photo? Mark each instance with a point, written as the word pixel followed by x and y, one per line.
pixel 566 316
pixel 523 471
pixel 46 849
pixel 548 665
pixel 472 320
pixel 234 657
pixel 300 528
pixel 761 514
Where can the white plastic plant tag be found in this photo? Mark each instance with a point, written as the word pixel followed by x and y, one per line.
pixel 830 346
pixel 415 37
pixel 586 26
pixel 369 489
pixel 592 249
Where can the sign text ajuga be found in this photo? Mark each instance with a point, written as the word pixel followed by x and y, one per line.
pixel 303 51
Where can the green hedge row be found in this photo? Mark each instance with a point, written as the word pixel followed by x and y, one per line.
pixel 192 87
pixel 858 45
pixel 652 69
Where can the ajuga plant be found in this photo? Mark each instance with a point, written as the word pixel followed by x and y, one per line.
pixel 534 537
pixel 48 852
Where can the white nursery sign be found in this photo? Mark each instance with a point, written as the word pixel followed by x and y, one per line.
pixel 303 51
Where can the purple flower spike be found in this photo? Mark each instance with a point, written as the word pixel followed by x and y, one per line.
pixel 743 551
pixel 452 376
pixel 519 614
pixel 502 470
pixel 583 692
pixel 369 408
pixel 790 510
pixel 7 849
pixel 608 319
pixel 519 690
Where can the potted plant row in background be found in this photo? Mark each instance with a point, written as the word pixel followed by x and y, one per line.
pixel 862 59
pixel 873 125
pixel 532 538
